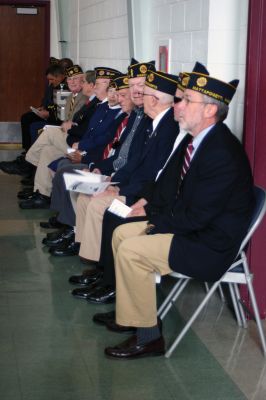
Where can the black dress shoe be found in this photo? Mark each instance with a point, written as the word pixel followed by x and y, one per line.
pixel 114 327
pixel 102 295
pixel 129 349
pixel 88 276
pixel 103 318
pixel 28 180
pixel 83 293
pixel 66 248
pixel 56 234
pixel 25 193
pixel 52 223
pixel 15 168
pixel 61 236
pixel 37 200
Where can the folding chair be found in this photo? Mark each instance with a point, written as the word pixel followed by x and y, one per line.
pixel 237 273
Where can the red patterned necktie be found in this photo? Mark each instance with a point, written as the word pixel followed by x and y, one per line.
pixel 187 159
pixel 118 133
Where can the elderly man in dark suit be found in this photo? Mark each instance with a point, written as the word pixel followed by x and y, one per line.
pixel 158 99
pixel 199 231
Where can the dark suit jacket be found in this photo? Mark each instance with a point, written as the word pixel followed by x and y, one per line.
pixel 82 118
pixel 107 166
pixel 134 175
pixel 98 125
pixel 211 213
pixel 95 153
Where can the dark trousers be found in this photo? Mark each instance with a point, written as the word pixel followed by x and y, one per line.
pixel 110 222
pixel 60 200
pixel 26 120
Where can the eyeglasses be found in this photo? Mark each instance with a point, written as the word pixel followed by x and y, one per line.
pixel 187 101
pixel 147 94
pixel 177 99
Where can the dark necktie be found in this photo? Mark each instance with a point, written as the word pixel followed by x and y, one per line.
pixel 187 159
pixel 118 133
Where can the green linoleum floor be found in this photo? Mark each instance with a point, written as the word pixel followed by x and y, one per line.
pixel 51 349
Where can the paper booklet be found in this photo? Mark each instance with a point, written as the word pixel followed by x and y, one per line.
pixel 120 209
pixel 36 111
pixel 87 182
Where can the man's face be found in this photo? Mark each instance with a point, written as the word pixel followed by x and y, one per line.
pixel 149 98
pixel 112 97
pixel 51 79
pixel 136 87
pixel 101 87
pixel 75 83
pixel 87 88
pixel 57 80
pixel 124 99
pixel 179 94
pixel 192 112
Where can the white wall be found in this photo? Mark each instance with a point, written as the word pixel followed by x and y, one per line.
pixel 210 31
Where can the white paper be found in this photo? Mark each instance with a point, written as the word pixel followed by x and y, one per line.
pixel 36 111
pixel 86 184
pixel 51 126
pixel 92 177
pixel 120 209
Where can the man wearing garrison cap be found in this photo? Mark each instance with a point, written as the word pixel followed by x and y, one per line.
pixel 133 176
pixel 198 230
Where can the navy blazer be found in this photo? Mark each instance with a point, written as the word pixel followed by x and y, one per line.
pixel 211 213
pixel 106 166
pixel 82 118
pixel 95 153
pixel 158 145
pixel 99 123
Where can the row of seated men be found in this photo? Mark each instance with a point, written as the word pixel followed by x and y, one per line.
pixel 45 113
pixel 179 168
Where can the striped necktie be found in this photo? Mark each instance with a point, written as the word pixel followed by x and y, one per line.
pixel 187 159
pixel 118 133
pixel 71 108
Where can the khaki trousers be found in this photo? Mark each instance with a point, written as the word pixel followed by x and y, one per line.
pixel 50 145
pixel 89 218
pixel 137 257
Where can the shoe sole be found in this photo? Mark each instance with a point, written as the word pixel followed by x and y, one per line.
pixel 152 354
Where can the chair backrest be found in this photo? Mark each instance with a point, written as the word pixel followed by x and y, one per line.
pixel 259 210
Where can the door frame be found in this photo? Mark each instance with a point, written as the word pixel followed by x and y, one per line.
pixel 36 3
pixel 254 138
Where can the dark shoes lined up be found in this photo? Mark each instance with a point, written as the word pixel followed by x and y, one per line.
pixel 62 242
pixel 93 289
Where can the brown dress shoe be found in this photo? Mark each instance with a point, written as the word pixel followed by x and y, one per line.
pixel 129 349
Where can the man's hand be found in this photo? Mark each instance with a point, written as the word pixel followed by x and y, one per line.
pixel 140 203
pixel 65 126
pixel 75 145
pixel 137 212
pixel 96 171
pixel 75 157
pixel 138 208
pixel 110 191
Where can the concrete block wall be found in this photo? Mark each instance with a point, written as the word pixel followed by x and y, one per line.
pixel 185 23
pixel 99 32
pixel 211 31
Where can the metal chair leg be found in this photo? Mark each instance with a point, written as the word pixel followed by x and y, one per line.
pixel 191 320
